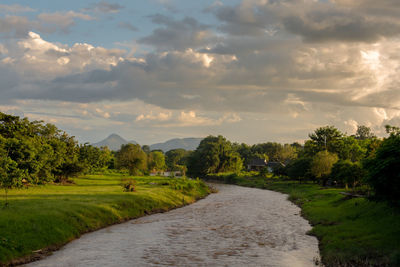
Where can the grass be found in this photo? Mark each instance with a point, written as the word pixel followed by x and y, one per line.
pixel 351 231
pixel 47 217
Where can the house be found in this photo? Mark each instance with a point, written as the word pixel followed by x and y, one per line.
pixel 259 164
pixel 256 164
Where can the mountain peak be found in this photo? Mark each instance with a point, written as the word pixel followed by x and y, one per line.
pixel 113 142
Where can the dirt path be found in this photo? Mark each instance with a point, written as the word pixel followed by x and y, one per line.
pixel 236 227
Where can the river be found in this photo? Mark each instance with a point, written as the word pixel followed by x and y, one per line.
pixel 237 226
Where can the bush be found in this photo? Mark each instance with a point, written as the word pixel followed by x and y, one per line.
pixel 129 185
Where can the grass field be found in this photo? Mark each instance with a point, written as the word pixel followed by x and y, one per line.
pixel 351 232
pixel 46 217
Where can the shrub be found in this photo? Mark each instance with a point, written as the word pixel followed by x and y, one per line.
pixel 129 185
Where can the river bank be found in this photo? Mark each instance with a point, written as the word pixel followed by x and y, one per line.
pixel 351 231
pixel 44 218
pixel 237 226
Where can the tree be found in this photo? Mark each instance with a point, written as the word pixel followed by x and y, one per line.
pixel 384 169
pixel 156 161
pixel 322 164
pixel 392 130
pixel 214 154
pixel 69 152
pixel 146 149
pixel 10 175
pixel 300 168
pixel 132 158
pixel 346 172
pixel 364 132
pixel 350 148
pixel 325 138
pixel 245 152
pixel 176 158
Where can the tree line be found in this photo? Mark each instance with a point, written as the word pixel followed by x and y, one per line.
pixel 34 152
pixel 37 153
pixel 328 157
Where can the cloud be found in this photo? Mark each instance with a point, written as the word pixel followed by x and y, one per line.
pixel 105 7
pixel 15 9
pixel 264 63
pixel 12 26
pixel 177 34
pixel 253 80
pixel 15 26
pixel 315 21
pixel 52 22
pixel 185 118
pixel 162 116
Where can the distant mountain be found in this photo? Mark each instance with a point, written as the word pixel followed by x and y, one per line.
pixel 113 142
pixel 185 143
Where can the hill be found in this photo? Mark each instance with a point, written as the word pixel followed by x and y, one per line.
pixel 185 143
pixel 113 142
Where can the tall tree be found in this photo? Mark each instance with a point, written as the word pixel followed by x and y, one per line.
pixel 326 138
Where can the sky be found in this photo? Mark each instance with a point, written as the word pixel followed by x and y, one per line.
pixel 251 70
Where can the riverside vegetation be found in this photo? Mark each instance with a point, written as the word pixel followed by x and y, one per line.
pixel 46 217
pixel 351 231
pixel 347 186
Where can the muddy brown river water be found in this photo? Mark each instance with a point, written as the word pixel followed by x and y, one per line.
pixel 238 226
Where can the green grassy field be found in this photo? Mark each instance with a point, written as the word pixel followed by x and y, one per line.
pixel 51 215
pixel 351 232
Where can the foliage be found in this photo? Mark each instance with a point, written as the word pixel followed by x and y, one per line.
pixel 322 164
pixel 10 175
pixel 350 148
pixel 94 159
pixel 363 132
pixel 37 152
pixel 324 138
pixel 146 149
pixel 345 172
pixel 177 160
pixel 132 158
pixel 384 169
pixel 214 154
pixel 300 169
pixel 156 161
